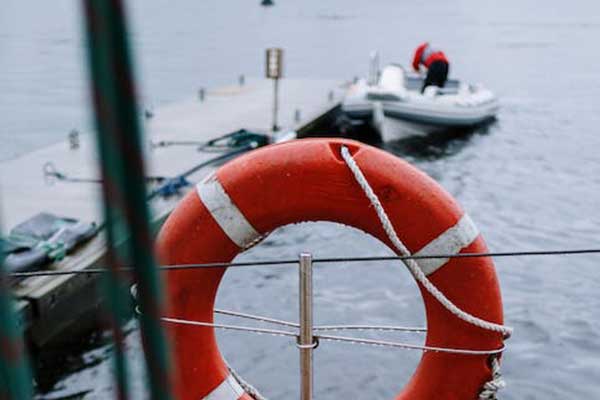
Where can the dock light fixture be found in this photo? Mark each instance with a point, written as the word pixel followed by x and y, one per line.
pixel 274 71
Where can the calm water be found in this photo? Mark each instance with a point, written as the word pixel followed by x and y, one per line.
pixel 530 181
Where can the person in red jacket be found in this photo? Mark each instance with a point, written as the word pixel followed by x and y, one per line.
pixel 436 63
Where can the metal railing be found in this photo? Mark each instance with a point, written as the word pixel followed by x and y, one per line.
pixel 306 343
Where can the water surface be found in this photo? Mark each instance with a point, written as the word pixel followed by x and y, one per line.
pixel 530 180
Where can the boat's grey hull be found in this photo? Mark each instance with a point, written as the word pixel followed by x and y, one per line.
pixel 394 122
pixel 455 118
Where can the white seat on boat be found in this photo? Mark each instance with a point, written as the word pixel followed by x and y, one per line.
pixel 391 85
pixel 392 78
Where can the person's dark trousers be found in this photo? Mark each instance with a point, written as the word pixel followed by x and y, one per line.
pixel 437 74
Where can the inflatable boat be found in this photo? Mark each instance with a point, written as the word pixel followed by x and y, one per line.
pixel 396 95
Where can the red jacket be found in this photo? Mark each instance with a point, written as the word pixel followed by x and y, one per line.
pixel 433 55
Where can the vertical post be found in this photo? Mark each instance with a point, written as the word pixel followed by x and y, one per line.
pixel 275 103
pixel 274 70
pixel 306 340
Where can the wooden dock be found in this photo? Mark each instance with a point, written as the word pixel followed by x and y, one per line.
pixel 56 309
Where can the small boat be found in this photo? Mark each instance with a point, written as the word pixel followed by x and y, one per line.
pixel 396 94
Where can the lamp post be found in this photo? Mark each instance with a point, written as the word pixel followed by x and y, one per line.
pixel 274 71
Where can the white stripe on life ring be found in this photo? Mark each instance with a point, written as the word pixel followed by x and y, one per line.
pixel 228 216
pixel 229 389
pixel 452 241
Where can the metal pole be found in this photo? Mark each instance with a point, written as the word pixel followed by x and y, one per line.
pixel 306 342
pixel 275 103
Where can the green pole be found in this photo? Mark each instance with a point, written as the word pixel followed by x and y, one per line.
pixel 15 376
pixel 126 211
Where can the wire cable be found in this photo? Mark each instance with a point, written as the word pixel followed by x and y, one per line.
pixel 329 260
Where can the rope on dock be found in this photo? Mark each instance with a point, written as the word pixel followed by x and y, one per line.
pixel 410 263
pixel 230 141
pixel 180 180
pixel 168 186
pixel 51 174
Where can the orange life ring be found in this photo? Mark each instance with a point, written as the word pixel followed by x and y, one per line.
pixel 307 180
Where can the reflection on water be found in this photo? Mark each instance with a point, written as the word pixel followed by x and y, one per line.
pixel 436 145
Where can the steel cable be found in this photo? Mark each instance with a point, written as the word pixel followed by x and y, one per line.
pixel 329 260
pixel 342 339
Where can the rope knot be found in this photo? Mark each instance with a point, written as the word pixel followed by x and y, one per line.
pixel 490 388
